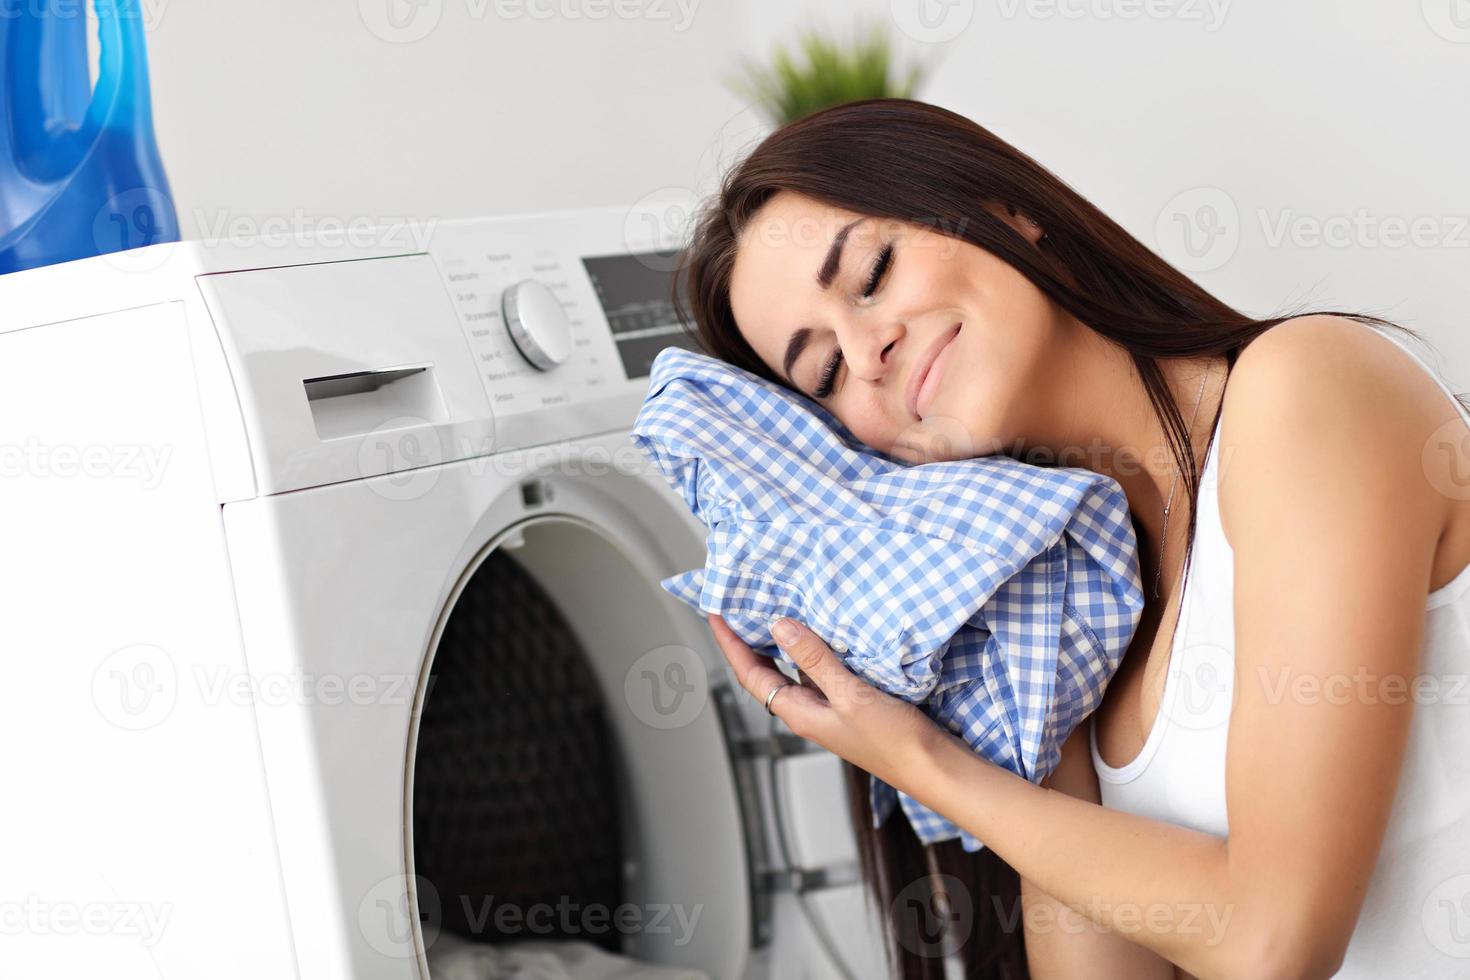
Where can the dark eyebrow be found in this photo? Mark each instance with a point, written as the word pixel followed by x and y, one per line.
pixel 794 347
pixel 828 272
pixel 825 275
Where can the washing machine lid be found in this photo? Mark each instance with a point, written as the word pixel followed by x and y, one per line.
pixel 504 333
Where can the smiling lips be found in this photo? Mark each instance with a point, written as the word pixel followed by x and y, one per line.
pixel 925 379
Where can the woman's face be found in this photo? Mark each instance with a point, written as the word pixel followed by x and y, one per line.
pixel 925 346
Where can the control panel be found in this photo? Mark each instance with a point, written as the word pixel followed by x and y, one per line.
pixel 562 309
pixel 503 333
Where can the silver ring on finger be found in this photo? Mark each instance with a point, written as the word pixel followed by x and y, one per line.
pixel 775 691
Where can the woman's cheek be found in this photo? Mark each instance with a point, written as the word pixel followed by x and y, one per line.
pixel 868 420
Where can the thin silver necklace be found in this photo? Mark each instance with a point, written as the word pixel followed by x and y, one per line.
pixel 1168 504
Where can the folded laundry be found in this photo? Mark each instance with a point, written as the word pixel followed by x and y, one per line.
pixel 453 957
pixel 997 595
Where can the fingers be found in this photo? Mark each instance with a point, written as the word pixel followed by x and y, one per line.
pixel 742 658
pixel 759 676
pixel 814 658
pixel 831 706
pixel 754 672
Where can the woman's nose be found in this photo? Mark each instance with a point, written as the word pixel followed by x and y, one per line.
pixel 869 350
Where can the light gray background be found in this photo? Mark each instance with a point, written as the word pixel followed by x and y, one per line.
pixel 1168 114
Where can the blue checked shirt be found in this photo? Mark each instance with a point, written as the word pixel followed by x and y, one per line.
pixel 996 595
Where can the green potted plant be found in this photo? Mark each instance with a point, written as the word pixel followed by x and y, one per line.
pixel 826 71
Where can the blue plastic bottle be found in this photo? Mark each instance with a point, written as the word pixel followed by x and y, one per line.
pixel 80 173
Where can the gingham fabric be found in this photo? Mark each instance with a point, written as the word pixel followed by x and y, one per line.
pixel 997 595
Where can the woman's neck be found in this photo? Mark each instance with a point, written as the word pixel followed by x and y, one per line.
pixel 1102 420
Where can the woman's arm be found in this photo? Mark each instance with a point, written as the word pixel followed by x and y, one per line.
pixel 1060 943
pixel 1110 866
pixel 1334 527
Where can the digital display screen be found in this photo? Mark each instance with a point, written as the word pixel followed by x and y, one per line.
pixel 636 294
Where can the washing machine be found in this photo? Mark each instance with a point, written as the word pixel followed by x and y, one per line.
pixel 333 628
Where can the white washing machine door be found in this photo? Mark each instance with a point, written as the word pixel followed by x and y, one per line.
pixel 345 592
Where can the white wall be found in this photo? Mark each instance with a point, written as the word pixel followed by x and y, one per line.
pixel 1158 110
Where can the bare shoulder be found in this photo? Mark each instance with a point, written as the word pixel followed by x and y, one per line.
pixel 1319 396
pixel 1313 356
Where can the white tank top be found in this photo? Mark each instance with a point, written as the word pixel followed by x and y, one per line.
pixel 1415 920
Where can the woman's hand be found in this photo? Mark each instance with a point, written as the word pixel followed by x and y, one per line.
pixel 833 707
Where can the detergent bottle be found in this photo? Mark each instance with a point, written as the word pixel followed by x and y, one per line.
pixel 80 173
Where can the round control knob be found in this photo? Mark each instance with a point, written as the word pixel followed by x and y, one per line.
pixel 537 323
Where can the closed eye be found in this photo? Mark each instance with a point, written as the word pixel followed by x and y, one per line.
pixel 885 259
pixel 875 278
pixel 824 386
pixel 829 371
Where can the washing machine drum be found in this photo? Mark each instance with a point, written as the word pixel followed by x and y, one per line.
pixel 515 790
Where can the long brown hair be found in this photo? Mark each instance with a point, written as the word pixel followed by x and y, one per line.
pixel 905 160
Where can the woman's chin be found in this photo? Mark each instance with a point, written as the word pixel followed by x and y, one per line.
pixel 937 438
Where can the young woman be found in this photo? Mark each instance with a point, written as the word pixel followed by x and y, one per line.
pixel 1270 788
